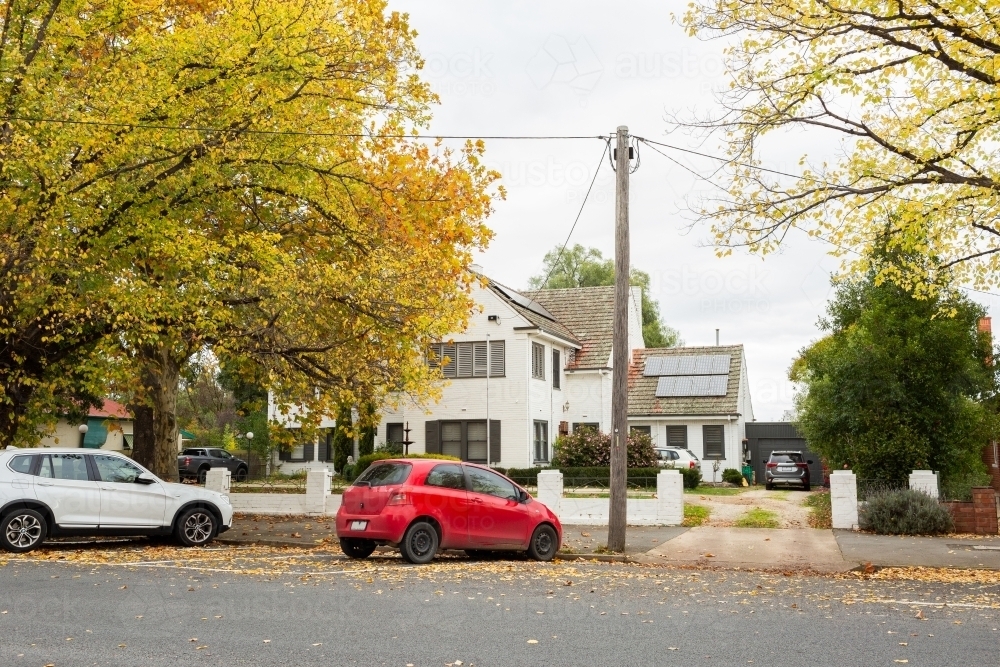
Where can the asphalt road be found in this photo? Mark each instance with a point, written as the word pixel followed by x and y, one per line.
pixel 325 611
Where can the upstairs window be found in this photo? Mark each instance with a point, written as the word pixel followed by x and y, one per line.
pixel 468 360
pixel 556 369
pixel 538 361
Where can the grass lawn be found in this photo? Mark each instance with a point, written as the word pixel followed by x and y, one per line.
pixel 717 490
pixel 695 515
pixel 758 518
pixel 820 512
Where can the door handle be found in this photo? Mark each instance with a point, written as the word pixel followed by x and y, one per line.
pixel 44 483
pixel 477 500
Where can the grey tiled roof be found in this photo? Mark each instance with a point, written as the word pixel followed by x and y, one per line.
pixel 588 312
pixel 549 326
pixel 642 399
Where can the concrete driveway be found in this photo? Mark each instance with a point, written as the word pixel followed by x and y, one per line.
pixel 725 510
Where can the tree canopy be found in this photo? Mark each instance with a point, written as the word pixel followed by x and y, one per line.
pixel 233 174
pixel 898 383
pixel 904 94
pixel 586 267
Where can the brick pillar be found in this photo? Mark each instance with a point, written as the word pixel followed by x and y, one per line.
pixel 670 498
pixel 844 499
pixel 985 507
pixel 991 457
pixel 550 489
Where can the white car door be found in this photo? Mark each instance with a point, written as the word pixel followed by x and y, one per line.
pixel 127 502
pixel 64 484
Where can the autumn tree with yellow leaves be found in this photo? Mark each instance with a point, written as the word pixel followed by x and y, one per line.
pixel 228 174
pixel 906 91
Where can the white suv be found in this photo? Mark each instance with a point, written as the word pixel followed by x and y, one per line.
pixel 64 492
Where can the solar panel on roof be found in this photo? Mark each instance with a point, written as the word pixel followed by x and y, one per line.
pixel 702 364
pixel 692 385
pixel 525 302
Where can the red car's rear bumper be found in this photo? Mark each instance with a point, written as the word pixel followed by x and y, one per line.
pixel 386 527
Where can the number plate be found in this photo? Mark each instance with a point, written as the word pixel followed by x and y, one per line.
pixel 786 468
pixel 359 525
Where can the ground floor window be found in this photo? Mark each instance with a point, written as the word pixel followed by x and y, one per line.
pixel 579 425
pixel 677 436
pixel 541 442
pixel 715 443
pixel 645 430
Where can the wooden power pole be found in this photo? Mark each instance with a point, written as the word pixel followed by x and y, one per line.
pixel 620 351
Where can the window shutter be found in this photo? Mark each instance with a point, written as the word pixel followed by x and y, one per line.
pixel 451 365
pixel 324 448
pixel 556 370
pixel 308 450
pixel 715 446
pixel 497 367
pixel 479 360
pixel 434 355
pixel 494 441
pixel 677 436
pixel 284 455
pixel 463 352
pixel 537 361
pixel 432 435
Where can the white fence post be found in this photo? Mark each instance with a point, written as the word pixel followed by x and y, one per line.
pixel 670 498
pixel 550 489
pixel 217 479
pixel 926 481
pixel 318 484
pixel 844 499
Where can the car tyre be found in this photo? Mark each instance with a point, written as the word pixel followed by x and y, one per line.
pixel 357 548
pixel 544 543
pixel 807 487
pixel 241 474
pixel 23 530
pixel 420 544
pixel 196 527
pixel 769 486
pixel 202 475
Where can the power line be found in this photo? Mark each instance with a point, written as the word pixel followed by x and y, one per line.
pixel 346 135
pixel 578 214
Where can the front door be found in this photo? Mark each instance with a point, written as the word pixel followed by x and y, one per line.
pixel 126 502
pixel 496 517
pixel 64 484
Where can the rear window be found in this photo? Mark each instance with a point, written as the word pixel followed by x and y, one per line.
pixel 786 458
pixel 193 452
pixel 384 474
pixel 22 463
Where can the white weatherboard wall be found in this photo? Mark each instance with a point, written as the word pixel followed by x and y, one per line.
pixel 588 393
pixel 844 499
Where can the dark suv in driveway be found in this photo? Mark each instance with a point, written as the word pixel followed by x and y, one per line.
pixel 786 468
pixel 195 462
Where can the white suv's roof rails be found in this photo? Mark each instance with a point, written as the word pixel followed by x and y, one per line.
pixel 12 447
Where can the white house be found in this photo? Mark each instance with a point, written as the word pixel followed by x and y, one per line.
pixel 536 364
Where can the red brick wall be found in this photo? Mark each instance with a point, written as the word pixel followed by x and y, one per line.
pixel 978 516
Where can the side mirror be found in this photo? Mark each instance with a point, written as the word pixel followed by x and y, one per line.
pixel 145 478
pixel 522 495
pixel 809 462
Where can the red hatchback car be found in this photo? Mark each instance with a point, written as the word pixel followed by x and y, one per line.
pixel 424 505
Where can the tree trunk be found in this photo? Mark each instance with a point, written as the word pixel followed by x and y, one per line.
pixel 155 425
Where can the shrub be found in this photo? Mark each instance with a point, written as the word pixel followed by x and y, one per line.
pixel 904 512
pixel 959 487
pixel 692 477
pixel 732 476
pixel 589 448
pixel 365 462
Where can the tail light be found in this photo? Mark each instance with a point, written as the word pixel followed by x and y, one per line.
pixel 690 464
pixel 772 464
pixel 802 465
pixel 400 498
pixel 187 461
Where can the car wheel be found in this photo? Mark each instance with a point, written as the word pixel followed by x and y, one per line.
pixel 202 475
pixel 807 486
pixel 768 486
pixel 420 543
pixel 357 548
pixel 22 530
pixel 241 474
pixel 544 543
pixel 196 527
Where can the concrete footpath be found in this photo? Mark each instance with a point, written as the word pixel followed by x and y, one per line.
pixel 795 549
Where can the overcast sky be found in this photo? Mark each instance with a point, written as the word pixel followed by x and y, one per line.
pixel 584 68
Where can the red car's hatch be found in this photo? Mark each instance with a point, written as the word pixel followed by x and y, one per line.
pixel 371 491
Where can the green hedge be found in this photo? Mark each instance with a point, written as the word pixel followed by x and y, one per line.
pixel 351 473
pixel 580 476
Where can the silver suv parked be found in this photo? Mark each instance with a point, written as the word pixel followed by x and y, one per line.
pixel 56 492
